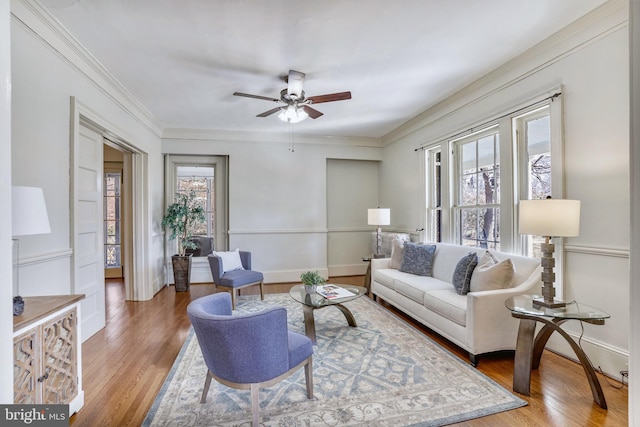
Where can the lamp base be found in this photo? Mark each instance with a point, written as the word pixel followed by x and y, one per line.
pixel 556 303
pixel 18 306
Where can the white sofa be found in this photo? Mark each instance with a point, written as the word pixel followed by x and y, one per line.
pixel 478 322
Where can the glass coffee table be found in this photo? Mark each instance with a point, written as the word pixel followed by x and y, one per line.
pixel 315 301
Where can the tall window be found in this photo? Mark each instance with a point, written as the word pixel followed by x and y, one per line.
pixel 434 194
pixel 477 207
pixel 112 214
pixel 534 139
pixel 200 180
pixel 473 182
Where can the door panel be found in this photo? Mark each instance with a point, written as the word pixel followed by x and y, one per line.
pixel 88 272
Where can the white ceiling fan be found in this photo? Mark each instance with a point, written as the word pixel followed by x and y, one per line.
pixel 297 106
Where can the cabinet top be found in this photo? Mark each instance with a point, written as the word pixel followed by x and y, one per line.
pixel 36 308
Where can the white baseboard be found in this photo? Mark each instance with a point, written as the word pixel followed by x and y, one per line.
pixel 609 359
pixel 348 270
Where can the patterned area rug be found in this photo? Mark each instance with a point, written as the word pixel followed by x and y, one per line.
pixel 381 373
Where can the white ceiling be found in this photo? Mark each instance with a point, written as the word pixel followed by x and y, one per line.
pixel 184 59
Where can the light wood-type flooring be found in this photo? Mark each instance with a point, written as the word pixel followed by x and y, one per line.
pixel 125 364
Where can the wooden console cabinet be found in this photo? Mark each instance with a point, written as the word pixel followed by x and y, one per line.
pixel 47 357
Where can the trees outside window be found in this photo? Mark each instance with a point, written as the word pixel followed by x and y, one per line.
pixel 478 190
pixel 112 222
pixel 474 180
pixel 533 131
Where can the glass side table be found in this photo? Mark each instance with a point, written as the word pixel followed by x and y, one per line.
pixel 367 276
pixel 529 350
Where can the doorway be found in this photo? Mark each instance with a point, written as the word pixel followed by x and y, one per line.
pixel 113 192
pixel 89 134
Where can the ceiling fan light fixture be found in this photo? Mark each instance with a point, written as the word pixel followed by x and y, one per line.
pixel 292 114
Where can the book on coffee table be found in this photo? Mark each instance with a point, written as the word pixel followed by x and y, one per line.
pixel 333 292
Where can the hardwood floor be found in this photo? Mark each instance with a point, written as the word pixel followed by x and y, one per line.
pixel 125 364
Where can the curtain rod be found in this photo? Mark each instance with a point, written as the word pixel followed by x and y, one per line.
pixel 474 128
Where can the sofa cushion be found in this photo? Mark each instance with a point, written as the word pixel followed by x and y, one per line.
pixel 414 287
pixel 418 259
pixel 492 274
pixel 387 277
pixel 461 279
pixel 397 251
pixel 448 303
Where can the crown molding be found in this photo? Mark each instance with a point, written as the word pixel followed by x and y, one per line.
pixel 267 137
pixel 599 23
pixel 32 16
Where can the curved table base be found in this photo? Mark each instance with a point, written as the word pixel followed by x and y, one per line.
pixel 529 352
pixel 310 324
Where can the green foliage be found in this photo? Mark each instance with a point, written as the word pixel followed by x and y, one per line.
pixel 312 278
pixel 181 217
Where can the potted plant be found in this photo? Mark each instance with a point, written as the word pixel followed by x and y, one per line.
pixel 311 280
pixel 181 217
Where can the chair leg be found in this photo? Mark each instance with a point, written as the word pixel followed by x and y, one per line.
pixel 308 377
pixel 233 299
pixel 255 404
pixel 205 391
pixel 262 291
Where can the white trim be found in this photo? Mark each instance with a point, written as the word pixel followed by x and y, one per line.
pixel 44 27
pixel 279 231
pixel 609 358
pixel 634 184
pixel 44 257
pixel 599 251
pixel 610 17
pixel 267 137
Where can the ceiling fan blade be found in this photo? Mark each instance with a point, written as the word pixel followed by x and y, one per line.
pixel 270 112
pixel 313 113
pixel 248 95
pixel 340 96
pixel 294 84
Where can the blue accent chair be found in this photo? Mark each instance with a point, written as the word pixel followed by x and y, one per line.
pixel 248 351
pixel 236 279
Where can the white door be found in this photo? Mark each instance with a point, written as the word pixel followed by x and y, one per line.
pixel 87 223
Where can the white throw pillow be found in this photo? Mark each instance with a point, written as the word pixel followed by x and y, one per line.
pixel 492 274
pixel 230 260
pixel 397 250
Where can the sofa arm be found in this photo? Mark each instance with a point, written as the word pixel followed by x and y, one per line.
pixel 379 263
pixel 490 326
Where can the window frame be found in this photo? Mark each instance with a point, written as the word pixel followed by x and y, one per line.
pixel 457 207
pixel 220 164
pixel 510 169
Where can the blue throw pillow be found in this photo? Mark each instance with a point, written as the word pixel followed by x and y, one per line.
pixel 462 274
pixel 418 259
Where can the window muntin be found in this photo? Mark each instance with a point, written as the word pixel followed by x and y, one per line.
pixel 477 207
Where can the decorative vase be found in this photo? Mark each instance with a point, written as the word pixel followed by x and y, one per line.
pixel 310 289
pixel 181 272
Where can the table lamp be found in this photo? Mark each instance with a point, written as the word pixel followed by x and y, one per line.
pixel 379 217
pixel 28 217
pixel 549 218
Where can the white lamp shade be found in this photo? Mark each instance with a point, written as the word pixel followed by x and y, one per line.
pixel 550 217
pixel 28 212
pixel 379 216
